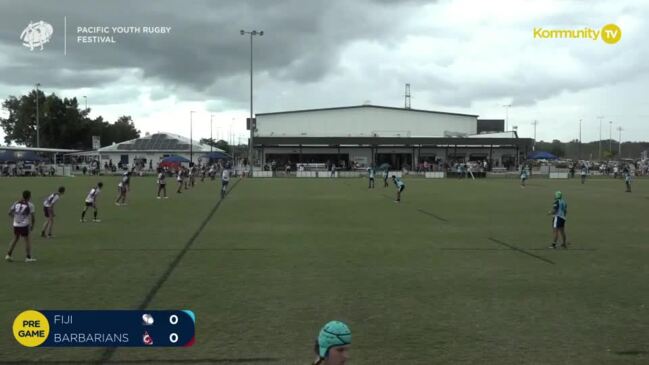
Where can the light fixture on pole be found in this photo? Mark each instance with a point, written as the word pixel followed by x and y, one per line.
pixel 506 106
pixel 191 142
pixel 252 124
pixel 85 98
pixel 38 123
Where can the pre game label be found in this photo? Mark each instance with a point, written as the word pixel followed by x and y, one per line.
pixel 105 328
pixel 31 328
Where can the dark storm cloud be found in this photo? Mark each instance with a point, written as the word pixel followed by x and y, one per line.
pixel 302 39
pixel 298 60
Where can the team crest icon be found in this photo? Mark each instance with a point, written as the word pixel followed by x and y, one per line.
pixel 36 34
pixel 147 339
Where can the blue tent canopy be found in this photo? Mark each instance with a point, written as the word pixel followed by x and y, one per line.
pixel 27 156
pixel 175 159
pixel 541 155
pixel 217 155
pixel 15 156
pixel 6 156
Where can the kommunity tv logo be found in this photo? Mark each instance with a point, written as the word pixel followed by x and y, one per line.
pixel 610 33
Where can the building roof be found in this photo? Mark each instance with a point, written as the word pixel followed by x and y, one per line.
pixel 365 106
pixel 36 149
pixel 158 142
pixel 511 134
pixel 391 141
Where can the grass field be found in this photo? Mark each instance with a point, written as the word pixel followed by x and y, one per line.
pixel 459 272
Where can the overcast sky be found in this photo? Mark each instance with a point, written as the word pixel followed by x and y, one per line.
pixel 459 56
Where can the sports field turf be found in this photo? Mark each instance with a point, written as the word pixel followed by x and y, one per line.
pixel 459 272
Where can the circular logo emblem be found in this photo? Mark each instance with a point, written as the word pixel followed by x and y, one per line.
pixel 36 35
pixel 31 328
pixel 611 33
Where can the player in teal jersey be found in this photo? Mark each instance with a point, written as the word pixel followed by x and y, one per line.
pixel 333 343
pixel 559 212
pixel 584 173
pixel 523 176
pixel 627 179
pixel 400 186
pixel 370 175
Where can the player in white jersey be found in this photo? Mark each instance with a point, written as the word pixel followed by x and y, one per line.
pixel 91 201
pixel 192 172
pixel 122 189
pixel 48 209
pixel 225 180
pixel 126 180
pixel 583 173
pixel 24 220
pixel 203 172
pixel 385 178
pixel 162 183
pixel 179 178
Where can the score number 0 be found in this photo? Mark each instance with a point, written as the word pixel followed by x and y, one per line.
pixel 173 319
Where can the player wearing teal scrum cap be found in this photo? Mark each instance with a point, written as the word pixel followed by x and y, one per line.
pixel 332 345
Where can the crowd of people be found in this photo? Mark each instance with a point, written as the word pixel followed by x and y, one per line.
pixel 21 168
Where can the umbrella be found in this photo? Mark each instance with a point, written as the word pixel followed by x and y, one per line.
pixel 174 159
pixel 217 155
pixel 541 155
pixel 384 166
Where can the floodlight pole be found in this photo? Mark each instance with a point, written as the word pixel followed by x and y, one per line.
pixel 506 106
pixel 211 139
pixel 252 125
pixel 600 137
pixel 191 142
pixel 579 150
pixel 620 142
pixel 534 123
pixel 610 136
pixel 38 133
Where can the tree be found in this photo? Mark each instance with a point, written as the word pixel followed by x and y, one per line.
pixel 557 148
pixel 208 141
pixel 608 154
pixel 61 123
pixel 221 144
pixel 122 130
pixel 20 126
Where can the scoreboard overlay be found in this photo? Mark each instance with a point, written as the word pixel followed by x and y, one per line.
pixel 105 328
